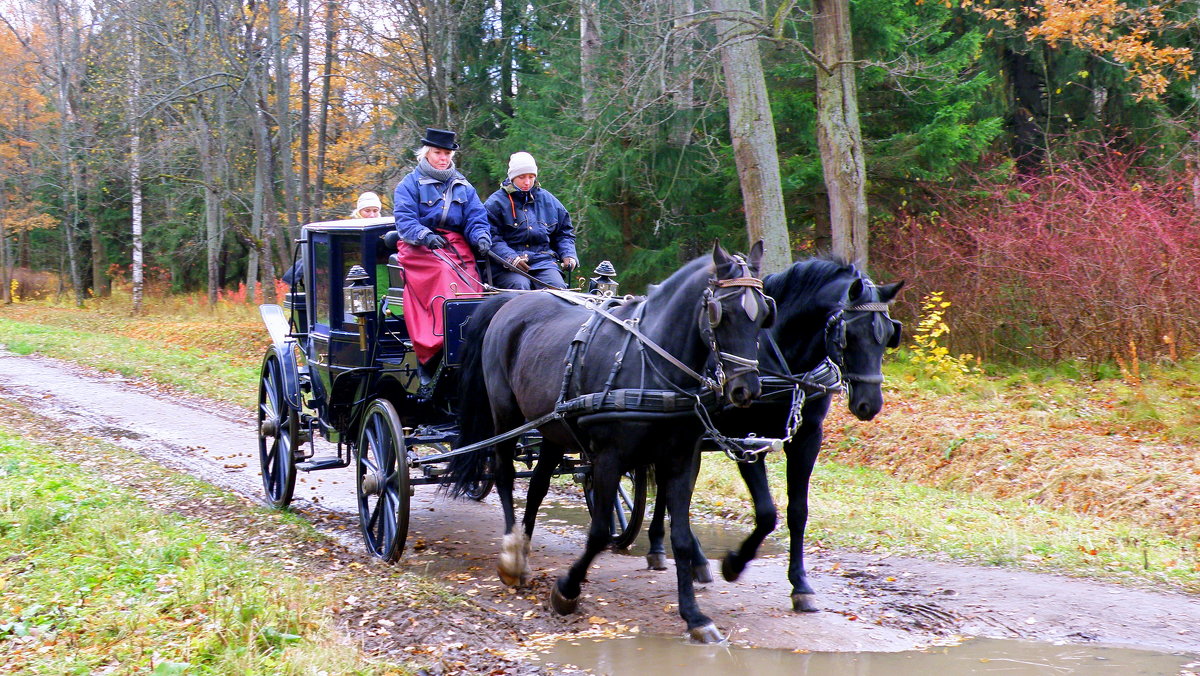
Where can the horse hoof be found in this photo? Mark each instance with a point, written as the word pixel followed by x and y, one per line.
pixel 804 603
pixel 656 561
pixel 509 579
pixel 730 570
pixel 706 634
pixel 701 574
pixel 561 604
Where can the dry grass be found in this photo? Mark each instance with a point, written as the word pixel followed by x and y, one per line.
pixel 1090 460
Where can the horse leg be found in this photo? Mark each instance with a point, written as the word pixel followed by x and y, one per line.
pixel 801 455
pixel 513 561
pixel 549 456
pixel 765 517
pixel 564 594
pixel 656 557
pixel 676 482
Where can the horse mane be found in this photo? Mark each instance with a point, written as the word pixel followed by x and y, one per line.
pixel 810 279
pixel 682 276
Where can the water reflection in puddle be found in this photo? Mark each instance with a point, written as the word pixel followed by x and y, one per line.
pixel 715 538
pixel 665 655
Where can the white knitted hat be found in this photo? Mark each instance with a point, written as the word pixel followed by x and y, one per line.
pixel 368 199
pixel 521 163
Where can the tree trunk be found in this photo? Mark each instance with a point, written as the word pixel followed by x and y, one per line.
pixel 135 176
pixel 323 116
pixel 283 119
pixel 752 130
pixel 305 112
pixel 589 55
pixel 66 57
pixel 838 133
pixel 5 268
pixel 212 201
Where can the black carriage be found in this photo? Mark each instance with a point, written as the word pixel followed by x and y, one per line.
pixel 341 367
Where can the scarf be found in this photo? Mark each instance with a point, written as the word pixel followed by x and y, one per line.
pixel 439 175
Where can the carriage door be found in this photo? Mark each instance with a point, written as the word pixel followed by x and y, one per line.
pixel 321 298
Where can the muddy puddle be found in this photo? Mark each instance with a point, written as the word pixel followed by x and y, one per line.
pixel 660 654
pixel 715 538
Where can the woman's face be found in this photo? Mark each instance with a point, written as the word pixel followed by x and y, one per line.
pixel 368 212
pixel 524 181
pixel 439 158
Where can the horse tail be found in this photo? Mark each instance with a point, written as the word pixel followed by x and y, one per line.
pixel 475 421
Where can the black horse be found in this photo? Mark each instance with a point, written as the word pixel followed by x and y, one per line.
pixel 705 318
pixel 829 313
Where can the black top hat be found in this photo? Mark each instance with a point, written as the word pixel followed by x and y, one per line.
pixel 439 138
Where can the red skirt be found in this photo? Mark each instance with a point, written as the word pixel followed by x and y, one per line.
pixel 428 282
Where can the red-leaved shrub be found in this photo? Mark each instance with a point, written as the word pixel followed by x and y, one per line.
pixel 1099 259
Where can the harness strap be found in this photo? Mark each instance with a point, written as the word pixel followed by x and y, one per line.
pixel 642 338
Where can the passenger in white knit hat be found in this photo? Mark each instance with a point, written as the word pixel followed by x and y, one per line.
pixel 368 206
pixel 531 230
pixel 520 164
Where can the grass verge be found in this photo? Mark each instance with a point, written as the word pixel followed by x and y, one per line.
pixel 96 581
pixel 210 373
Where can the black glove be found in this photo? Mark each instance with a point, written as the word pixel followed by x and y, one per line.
pixel 484 246
pixel 433 240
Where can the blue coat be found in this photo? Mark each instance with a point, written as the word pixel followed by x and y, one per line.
pixel 533 222
pixel 419 204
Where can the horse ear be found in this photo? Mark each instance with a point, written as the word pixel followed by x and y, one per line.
pixel 888 291
pixel 720 256
pixel 756 256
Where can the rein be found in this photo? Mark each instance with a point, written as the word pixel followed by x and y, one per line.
pixel 631 327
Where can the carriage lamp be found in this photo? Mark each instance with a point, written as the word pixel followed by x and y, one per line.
pixel 359 299
pixel 604 283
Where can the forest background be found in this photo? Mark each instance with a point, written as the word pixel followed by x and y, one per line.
pixel 1036 162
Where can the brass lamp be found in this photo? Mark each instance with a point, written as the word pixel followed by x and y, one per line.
pixel 359 299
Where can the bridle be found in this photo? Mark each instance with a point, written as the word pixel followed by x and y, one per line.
pixel 726 365
pixel 835 339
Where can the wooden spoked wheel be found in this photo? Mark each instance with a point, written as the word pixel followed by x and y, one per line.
pixel 277 433
pixel 629 508
pixel 381 479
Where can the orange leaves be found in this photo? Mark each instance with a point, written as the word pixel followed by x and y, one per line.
pixel 1107 28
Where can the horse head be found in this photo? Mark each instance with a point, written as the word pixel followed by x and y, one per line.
pixel 732 310
pixel 856 337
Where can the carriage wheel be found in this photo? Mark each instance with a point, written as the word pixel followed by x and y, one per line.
pixel 277 432
pixel 629 509
pixel 381 475
pixel 480 489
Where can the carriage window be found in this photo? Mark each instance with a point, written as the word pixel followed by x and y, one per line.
pixel 321 281
pixel 351 256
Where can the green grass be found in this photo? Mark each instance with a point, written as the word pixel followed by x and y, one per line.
pixel 212 375
pixel 869 510
pixel 95 579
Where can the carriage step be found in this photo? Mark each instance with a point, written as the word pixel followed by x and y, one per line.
pixel 331 462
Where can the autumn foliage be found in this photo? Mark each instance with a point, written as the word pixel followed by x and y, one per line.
pixel 1097 260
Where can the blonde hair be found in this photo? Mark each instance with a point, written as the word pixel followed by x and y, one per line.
pixel 424 150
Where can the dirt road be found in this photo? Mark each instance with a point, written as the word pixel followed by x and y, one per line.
pixel 872 603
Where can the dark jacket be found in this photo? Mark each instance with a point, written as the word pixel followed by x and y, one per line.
pixel 530 222
pixel 418 206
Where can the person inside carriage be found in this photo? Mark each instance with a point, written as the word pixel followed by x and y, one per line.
pixel 367 206
pixel 439 218
pixel 531 230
